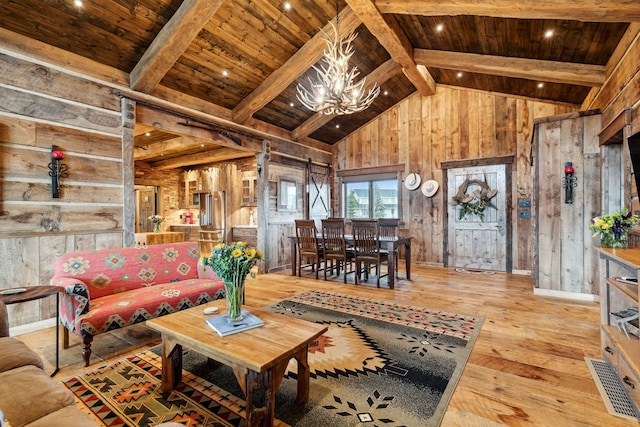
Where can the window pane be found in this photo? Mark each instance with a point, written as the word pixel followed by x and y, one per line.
pixel 357 199
pixel 371 199
pixel 385 199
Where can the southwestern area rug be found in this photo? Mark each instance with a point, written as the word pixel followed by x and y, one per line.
pixel 379 364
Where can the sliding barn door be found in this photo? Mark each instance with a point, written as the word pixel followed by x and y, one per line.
pixel 477 242
pixel 319 195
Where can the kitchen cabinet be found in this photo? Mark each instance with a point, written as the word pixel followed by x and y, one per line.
pixel 249 191
pixel 190 187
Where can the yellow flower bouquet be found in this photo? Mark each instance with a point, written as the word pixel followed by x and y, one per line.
pixel 232 263
pixel 613 228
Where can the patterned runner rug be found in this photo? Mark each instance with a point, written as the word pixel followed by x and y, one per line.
pixel 380 363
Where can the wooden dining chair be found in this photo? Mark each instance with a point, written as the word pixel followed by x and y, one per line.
pixel 335 247
pixel 388 230
pixel 367 250
pixel 308 245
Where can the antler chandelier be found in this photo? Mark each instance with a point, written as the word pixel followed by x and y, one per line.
pixel 336 91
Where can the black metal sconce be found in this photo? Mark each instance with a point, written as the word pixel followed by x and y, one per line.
pixel 57 170
pixel 569 182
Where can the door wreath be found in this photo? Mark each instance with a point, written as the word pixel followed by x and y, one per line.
pixel 476 202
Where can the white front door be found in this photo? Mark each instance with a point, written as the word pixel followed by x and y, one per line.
pixel 477 239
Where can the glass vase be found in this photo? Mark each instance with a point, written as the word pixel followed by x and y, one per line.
pixel 156 227
pixel 613 240
pixel 235 298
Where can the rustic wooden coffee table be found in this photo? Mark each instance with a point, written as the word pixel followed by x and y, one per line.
pixel 258 357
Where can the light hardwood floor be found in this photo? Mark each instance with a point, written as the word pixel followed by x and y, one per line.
pixel 527 367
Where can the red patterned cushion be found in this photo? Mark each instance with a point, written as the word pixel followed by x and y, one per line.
pixel 127 308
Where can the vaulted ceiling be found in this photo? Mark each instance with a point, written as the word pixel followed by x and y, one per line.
pixel 244 58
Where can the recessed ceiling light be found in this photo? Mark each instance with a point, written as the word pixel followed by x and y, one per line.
pixel 287 5
pixel 147 134
pixel 459 74
pixel 291 104
pixel 225 73
pixel 548 33
pixel 201 145
pixel 78 3
pixel 540 85
pixel 439 27
pixel 386 92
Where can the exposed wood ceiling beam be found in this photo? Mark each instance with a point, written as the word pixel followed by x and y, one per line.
pixel 390 35
pixel 211 156
pixel 142 129
pixel 531 69
pixel 297 65
pixel 315 122
pixel 171 123
pixel 583 10
pixel 171 42
pixel 630 37
pixel 185 105
pixel 172 147
pixel 15 43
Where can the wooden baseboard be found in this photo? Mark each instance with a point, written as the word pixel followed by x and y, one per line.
pixel 32 327
pixel 566 295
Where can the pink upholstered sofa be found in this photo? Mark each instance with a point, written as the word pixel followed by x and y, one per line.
pixel 114 288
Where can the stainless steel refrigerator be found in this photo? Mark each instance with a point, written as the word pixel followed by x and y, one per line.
pixel 213 216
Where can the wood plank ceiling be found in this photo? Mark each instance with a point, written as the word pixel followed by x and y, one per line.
pixel 244 58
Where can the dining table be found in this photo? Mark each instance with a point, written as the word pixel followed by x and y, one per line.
pixel 387 244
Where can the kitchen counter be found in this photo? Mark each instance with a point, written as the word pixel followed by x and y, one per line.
pixel 146 239
pixel 245 233
pixel 191 232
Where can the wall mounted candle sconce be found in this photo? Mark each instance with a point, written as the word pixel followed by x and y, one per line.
pixel 569 182
pixel 57 170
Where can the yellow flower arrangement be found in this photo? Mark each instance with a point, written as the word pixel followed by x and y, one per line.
pixel 613 227
pixel 232 263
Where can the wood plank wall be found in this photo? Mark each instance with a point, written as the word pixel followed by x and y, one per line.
pixel 43 107
pixel 454 124
pixel 564 259
pixel 622 88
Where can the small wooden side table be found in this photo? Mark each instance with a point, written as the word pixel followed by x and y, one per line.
pixel 31 293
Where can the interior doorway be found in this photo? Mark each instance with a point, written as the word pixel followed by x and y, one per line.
pixel 146 205
pixel 478 239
